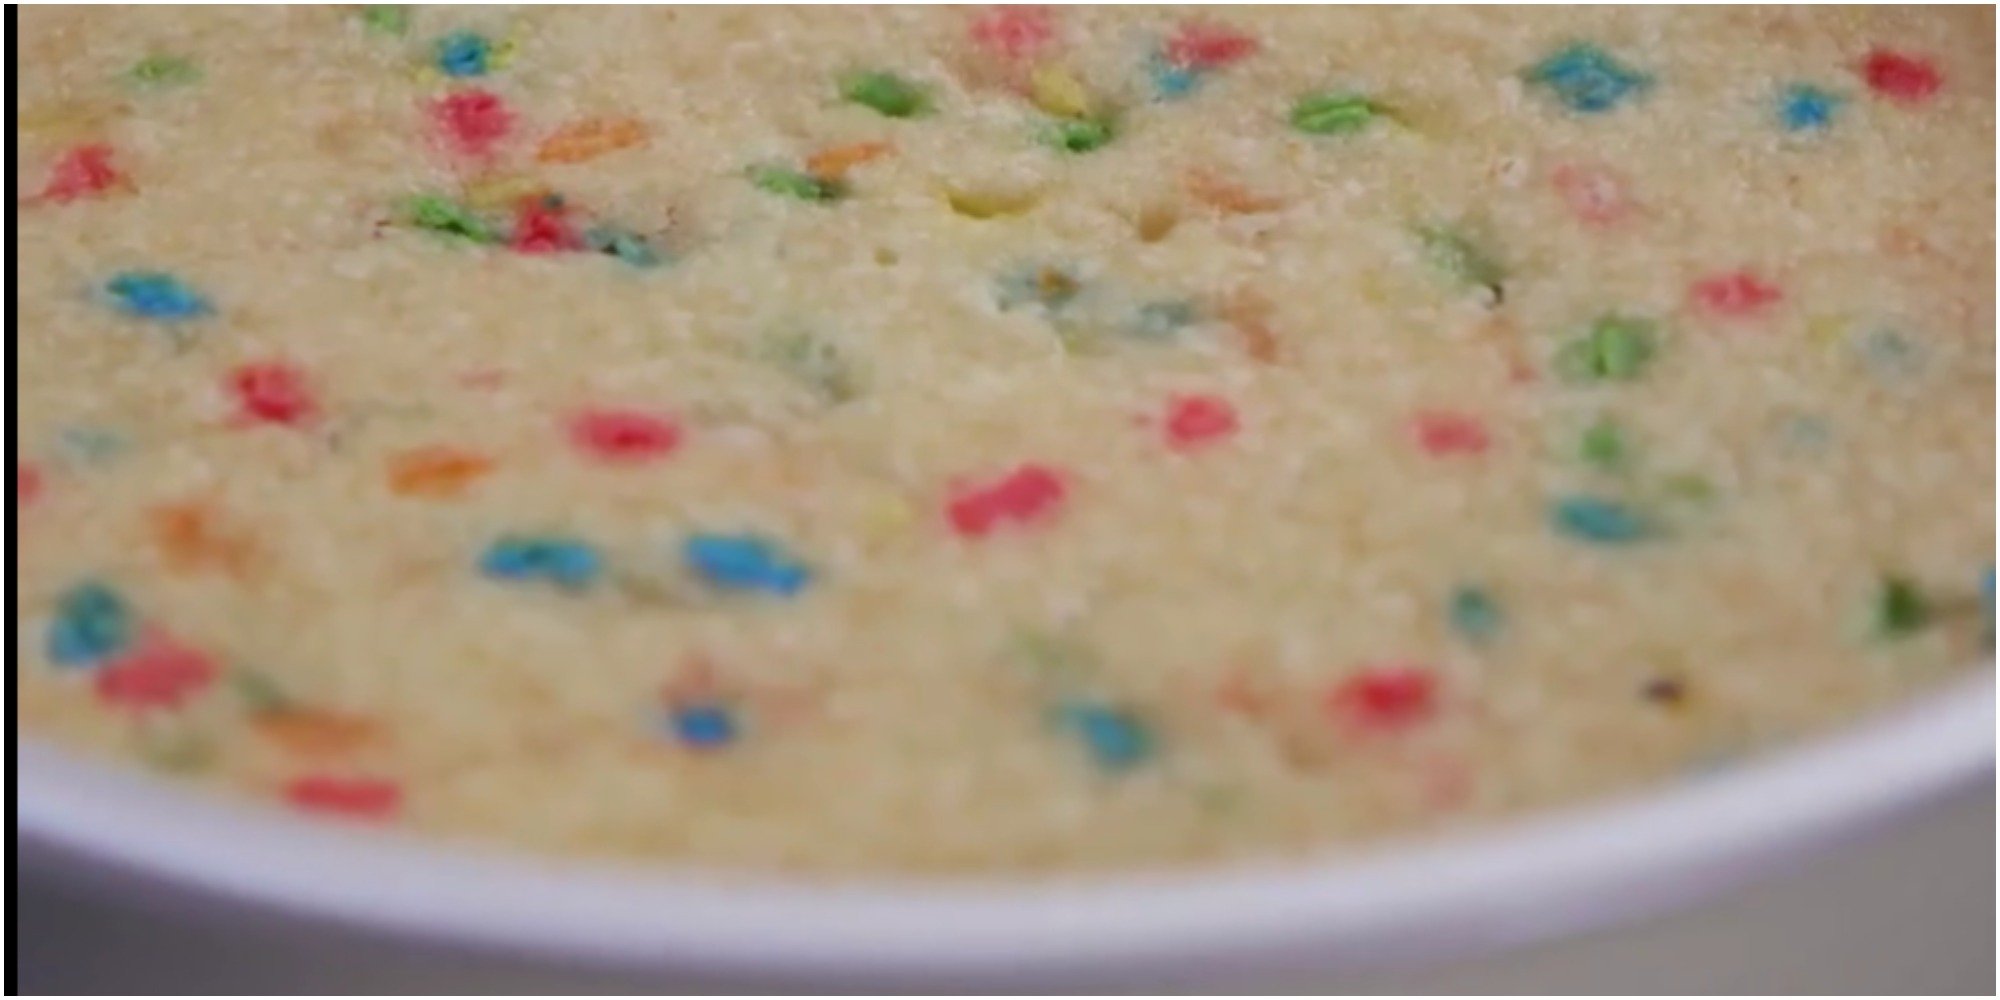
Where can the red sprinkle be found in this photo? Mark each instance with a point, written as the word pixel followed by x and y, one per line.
pixel 1025 494
pixel 273 392
pixel 472 121
pixel 1193 421
pixel 1385 698
pixel 541 225
pixel 28 483
pixel 81 172
pixel 1208 46
pixel 1442 432
pixel 1014 32
pixel 1901 77
pixel 159 672
pixel 357 798
pixel 624 435
pixel 1593 194
pixel 1738 293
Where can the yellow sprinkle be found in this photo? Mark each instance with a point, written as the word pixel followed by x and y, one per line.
pixel 1825 330
pixel 1057 92
pixel 885 515
pixel 427 75
pixel 502 191
pixel 989 204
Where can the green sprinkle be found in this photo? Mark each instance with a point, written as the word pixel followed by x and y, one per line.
pixel 1334 113
pixel 1474 614
pixel 1900 609
pixel 887 93
pixel 1689 486
pixel 1617 348
pixel 260 694
pixel 1461 259
pixel 1081 135
pixel 1161 321
pixel 165 71
pixel 439 214
pixel 816 362
pixel 794 183
pixel 623 244
pixel 1603 446
pixel 386 18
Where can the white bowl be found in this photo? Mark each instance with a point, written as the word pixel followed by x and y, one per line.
pixel 1420 900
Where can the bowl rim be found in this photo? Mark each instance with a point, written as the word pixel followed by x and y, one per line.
pixel 1490 886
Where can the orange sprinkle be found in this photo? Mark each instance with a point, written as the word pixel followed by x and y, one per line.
pixel 190 540
pixel 1226 196
pixel 834 162
pixel 439 472
pixel 309 732
pixel 591 138
pixel 1249 313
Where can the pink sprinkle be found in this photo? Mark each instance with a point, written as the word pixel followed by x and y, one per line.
pixel 355 798
pixel 1385 698
pixel 541 225
pixel 1193 421
pixel 28 484
pixel 472 121
pixel 624 435
pixel 1901 77
pixel 1442 432
pixel 1023 495
pixel 273 392
pixel 1014 32
pixel 1594 194
pixel 81 172
pixel 1738 293
pixel 159 672
pixel 1207 46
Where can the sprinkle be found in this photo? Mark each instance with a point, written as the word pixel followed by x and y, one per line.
pixel 1116 738
pixel 816 362
pixel 622 243
pixel 1901 77
pixel 1474 614
pixel 81 172
pixel 1196 45
pixel 436 472
pixel 1162 321
pixel 1585 78
pixel 565 562
pixel 192 539
pixel 1595 195
pixel 623 435
pixel 1445 433
pixel 1616 348
pixel 1058 92
pixel 156 295
pixel 1249 314
pixel 1592 519
pixel 1334 113
pixel 503 190
pixel 591 138
pixel 703 726
pixel 165 71
pixel 28 485
pixel 1385 699
pixel 441 215
pixel 386 18
pixel 1170 81
pixel 463 53
pixel 350 798
pixel 1081 135
pixel 1047 285
pixel 1226 196
pixel 795 184
pixel 1029 493
pixel 1689 487
pixel 990 203
pixel 1900 608
pixel 472 121
pixel 885 92
pixel 1603 446
pixel 272 392
pixel 1890 354
pixel 314 732
pixel 1014 32
pixel 1803 107
pixel 1197 421
pixel 1736 294
pixel 744 562
pixel 92 445
pixel 1462 259
pixel 157 673
pixel 91 623
pixel 542 226
pixel 832 163
pixel 1667 692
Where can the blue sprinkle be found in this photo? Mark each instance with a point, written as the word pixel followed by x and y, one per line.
pixel 1117 739
pixel 1162 320
pixel 1804 107
pixel 703 726
pixel 623 244
pixel 156 295
pixel 1588 79
pixel 464 53
pixel 92 444
pixel 1891 355
pixel 744 562
pixel 1172 82
pixel 91 624
pixel 1474 613
pixel 567 563
pixel 1594 520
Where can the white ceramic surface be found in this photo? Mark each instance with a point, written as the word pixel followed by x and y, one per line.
pixel 1538 877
